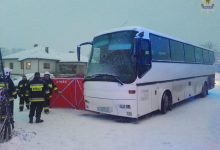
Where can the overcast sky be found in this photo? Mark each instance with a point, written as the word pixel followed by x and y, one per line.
pixel 62 24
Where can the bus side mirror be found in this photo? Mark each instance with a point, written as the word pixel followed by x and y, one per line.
pixel 79 47
pixel 137 42
pixel 78 52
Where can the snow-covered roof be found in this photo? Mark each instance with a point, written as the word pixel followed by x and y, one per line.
pixel 36 52
pixel 40 52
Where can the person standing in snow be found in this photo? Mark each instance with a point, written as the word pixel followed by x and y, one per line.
pixel 11 92
pixel 22 88
pixel 52 87
pixel 37 91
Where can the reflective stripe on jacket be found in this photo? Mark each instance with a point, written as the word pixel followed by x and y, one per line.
pixel 37 99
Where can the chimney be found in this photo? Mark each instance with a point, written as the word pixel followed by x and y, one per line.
pixel 47 49
pixel 35 45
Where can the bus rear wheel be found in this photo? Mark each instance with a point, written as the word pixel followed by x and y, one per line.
pixel 204 91
pixel 165 103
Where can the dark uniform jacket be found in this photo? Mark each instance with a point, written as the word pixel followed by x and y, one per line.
pixel 22 88
pixel 51 86
pixel 37 90
pixel 10 86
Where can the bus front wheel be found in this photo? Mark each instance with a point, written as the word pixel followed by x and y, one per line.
pixel 165 103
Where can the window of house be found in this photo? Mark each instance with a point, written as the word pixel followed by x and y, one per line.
pixel 46 65
pixel 68 68
pixel 160 48
pixel 11 65
pixel 177 51
pixel 28 65
pixel 189 53
pixel 74 69
pixel 22 65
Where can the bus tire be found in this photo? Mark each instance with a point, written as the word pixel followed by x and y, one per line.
pixel 204 91
pixel 170 102
pixel 164 103
pixel 170 106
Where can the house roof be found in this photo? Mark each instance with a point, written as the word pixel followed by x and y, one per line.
pixel 40 52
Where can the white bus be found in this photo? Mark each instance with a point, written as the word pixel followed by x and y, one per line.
pixel 133 71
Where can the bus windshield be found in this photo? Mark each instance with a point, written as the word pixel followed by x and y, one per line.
pixel 111 58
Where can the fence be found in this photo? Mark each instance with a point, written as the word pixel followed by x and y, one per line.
pixel 70 93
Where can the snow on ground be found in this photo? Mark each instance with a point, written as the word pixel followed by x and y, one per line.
pixel 217 79
pixel 192 125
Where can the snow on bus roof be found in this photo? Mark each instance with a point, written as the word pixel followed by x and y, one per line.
pixel 142 29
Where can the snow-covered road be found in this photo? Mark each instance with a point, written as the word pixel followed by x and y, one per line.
pixel 192 125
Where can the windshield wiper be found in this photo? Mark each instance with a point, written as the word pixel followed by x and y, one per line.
pixel 109 75
pixel 115 77
pixel 90 77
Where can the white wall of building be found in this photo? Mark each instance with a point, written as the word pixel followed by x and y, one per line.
pixel 73 68
pixel 52 68
pixel 36 65
pixel 16 65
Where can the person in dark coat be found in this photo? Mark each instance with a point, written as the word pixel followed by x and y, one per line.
pixel 11 90
pixel 22 88
pixel 52 88
pixel 37 91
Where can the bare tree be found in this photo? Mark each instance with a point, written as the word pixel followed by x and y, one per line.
pixel 214 47
pixel 210 45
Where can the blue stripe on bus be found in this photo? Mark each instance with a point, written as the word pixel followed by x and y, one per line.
pixel 155 82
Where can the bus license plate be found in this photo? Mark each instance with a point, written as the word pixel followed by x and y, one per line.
pixel 104 109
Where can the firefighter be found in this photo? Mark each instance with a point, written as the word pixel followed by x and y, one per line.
pixel 11 92
pixel 22 88
pixel 37 91
pixel 52 87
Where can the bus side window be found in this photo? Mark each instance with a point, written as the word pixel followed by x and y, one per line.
pixel 211 58
pixel 144 59
pixel 160 48
pixel 198 55
pixel 206 56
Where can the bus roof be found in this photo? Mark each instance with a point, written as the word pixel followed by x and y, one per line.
pixel 145 30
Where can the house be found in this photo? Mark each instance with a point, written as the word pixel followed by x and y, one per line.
pixel 44 59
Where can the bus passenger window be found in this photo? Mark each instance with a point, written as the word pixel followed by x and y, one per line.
pixel 189 53
pixel 206 56
pixel 198 55
pixel 177 51
pixel 160 48
pixel 211 58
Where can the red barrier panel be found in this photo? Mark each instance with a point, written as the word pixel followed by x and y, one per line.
pixel 70 93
